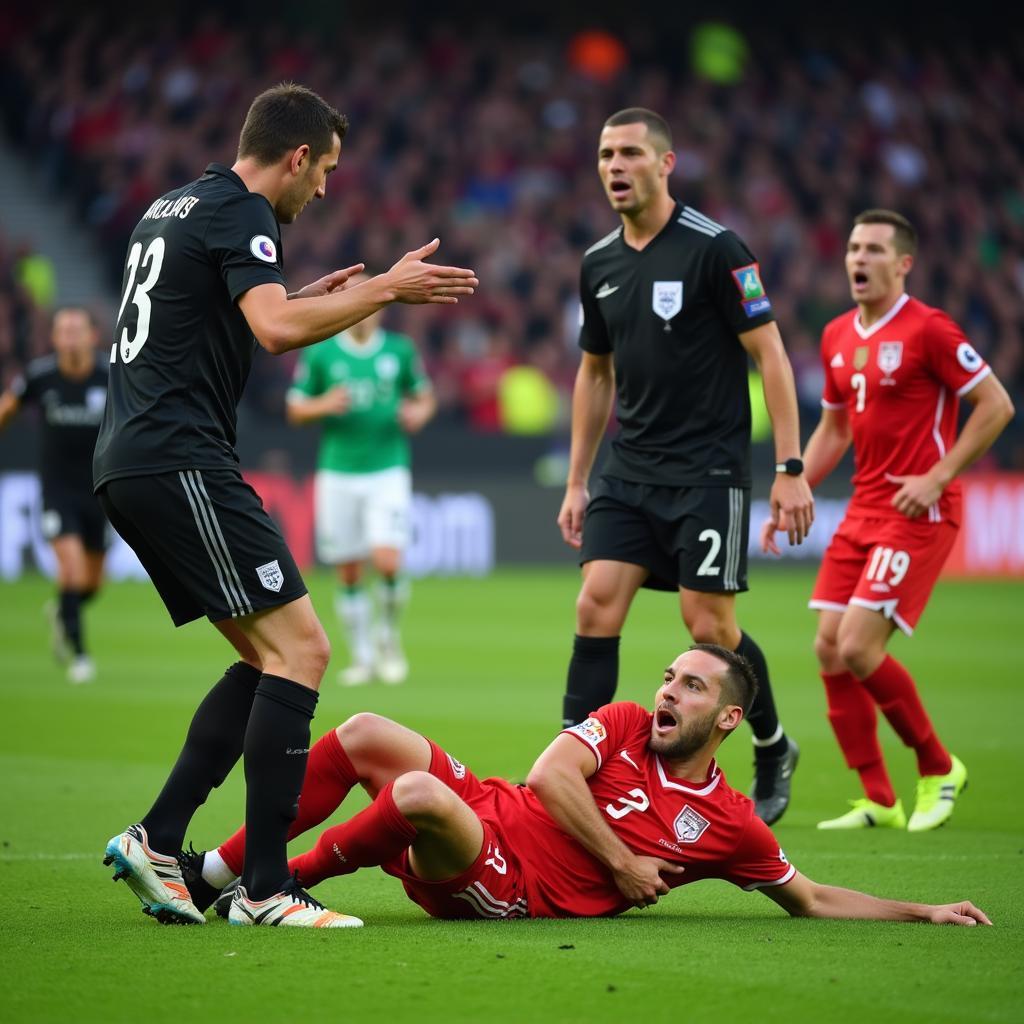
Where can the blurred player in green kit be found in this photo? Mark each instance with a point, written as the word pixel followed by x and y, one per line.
pixel 368 389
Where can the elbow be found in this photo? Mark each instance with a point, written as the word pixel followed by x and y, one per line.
pixel 1008 409
pixel 538 779
pixel 274 342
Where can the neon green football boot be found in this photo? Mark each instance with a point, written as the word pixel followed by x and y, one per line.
pixel 936 797
pixel 866 813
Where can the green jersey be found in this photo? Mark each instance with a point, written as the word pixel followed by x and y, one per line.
pixel 378 374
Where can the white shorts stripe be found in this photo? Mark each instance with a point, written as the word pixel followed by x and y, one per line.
pixel 223 544
pixel 732 539
pixel 486 905
pixel 230 596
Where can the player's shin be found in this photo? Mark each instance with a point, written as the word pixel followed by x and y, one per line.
pixel 276 750
pixel 893 688
pixel 376 835
pixel 593 677
pixel 212 747
pixel 769 737
pixel 851 712
pixel 329 778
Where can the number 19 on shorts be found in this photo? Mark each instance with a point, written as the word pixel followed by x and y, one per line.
pixel 885 561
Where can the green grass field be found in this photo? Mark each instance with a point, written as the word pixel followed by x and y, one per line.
pixel 488 656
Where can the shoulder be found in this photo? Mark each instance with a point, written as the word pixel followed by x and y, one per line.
pixel 734 805
pixel 693 222
pixel 601 249
pixel 837 325
pixel 44 366
pixel 399 342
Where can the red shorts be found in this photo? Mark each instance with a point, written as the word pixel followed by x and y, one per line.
pixel 494 885
pixel 888 565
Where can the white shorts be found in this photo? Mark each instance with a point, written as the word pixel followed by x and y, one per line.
pixel 357 512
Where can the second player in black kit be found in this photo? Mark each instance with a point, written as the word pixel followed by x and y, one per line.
pixel 203 285
pixel 672 306
pixel 69 388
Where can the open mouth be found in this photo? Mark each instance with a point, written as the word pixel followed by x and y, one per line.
pixel 664 719
pixel 619 187
pixel 860 279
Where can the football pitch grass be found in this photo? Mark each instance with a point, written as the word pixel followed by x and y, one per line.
pixel 488 664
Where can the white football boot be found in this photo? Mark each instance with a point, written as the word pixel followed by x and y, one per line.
pixel 154 878
pixel 292 908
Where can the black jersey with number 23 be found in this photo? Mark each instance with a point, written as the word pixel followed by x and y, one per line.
pixel 670 315
pixel 182 348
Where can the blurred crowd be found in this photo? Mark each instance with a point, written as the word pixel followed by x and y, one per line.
pixel 487 138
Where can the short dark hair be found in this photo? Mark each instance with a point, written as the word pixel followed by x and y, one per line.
pixel 72 307
pixel 286 117
pixel 904 236
pixel 656 124
pixel 739 683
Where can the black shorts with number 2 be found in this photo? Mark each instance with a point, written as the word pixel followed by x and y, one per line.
pixel 691 537
pixel 206 541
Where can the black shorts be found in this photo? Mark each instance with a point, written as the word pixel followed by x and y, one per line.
pixel 70 512
pixel 691 537
pixel 206 542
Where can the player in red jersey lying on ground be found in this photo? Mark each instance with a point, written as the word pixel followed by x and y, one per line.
pixel 616 812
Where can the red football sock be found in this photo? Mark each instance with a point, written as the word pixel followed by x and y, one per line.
pixel 893 688
pixel 851 712
pixel 329 777
pixel 375 835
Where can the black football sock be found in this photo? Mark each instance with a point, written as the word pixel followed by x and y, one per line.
pixel 769 739
pixel 276 751
pixel 593 677
pixel 71 619
pixel 87 596
pixel 212 746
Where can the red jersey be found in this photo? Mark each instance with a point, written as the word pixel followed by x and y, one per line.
pixel 900 381
pixel 707 827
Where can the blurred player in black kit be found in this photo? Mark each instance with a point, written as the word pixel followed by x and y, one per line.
pixel 203 285
pixel 70 388
pixel 672 305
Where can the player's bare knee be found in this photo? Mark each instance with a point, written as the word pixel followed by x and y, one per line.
pixel 596 611
pixel 857 657
pixel 421 797
pixel 708 628
pixel 826 650
pixel 361 733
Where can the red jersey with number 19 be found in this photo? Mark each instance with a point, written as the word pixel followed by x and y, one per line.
pixel 707 827
pixel 900 381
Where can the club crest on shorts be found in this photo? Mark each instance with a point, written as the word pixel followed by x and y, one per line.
pixel 690 826
pixel 667 299
pixel 271 576
pixel 890 355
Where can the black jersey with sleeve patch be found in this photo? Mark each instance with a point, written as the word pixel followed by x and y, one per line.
pixel 670 314
pixel 182 348
pixel 71 410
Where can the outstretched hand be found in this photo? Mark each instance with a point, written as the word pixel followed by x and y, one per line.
pixel 417 282
pixel 964 913
pixel 333 282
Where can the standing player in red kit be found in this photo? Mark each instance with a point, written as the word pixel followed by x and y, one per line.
pixel 616 812
pixel 894 372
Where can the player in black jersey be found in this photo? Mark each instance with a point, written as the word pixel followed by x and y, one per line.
pixel 203 285
pixel 70 387
pixel 672 305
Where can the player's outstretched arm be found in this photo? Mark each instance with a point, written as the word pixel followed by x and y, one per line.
pixel 801 897
pixel 592 397
pixel 825 448
pixel 280 325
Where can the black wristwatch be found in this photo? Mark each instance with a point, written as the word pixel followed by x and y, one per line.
pixel 791 467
